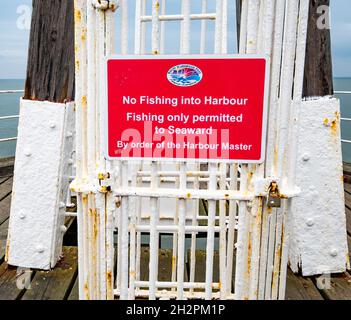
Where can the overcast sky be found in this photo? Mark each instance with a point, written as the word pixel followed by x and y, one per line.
pixel 14 36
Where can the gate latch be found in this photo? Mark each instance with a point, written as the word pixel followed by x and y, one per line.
pixel 273 198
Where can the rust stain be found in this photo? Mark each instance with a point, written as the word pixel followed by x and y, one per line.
pixel 249 251
pixel 326 122
pixel 174 262
pixel 86 290
pixel 334 128
pixel 84 101
pixel 7 253
pixel 77 16
pixel 77 65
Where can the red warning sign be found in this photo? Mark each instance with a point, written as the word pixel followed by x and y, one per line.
pixel 187 108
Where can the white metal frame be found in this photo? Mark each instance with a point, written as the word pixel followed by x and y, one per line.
pixel 110 194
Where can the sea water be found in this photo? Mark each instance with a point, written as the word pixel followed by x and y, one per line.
pixel 9 105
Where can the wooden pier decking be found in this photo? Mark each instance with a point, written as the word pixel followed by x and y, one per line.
pixel 62 282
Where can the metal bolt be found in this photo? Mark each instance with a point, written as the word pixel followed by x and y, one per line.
pixel 306 157
pixel 333 252
pixel 310 222
pixel 27 153
pixel 63 229
pixel 40 249
pixel 22 216
pixel 53 126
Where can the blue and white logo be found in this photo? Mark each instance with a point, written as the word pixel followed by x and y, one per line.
pixel 184 75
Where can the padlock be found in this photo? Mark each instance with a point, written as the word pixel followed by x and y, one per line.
pixel 274 201
pixel 273 198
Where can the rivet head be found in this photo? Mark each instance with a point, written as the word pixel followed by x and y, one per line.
pixel 40 249
pixel 27 153
pixel 306 157
pixel 310 222
pixel 53 126
pixel 333 252
pixel 63 229
pixel 22 216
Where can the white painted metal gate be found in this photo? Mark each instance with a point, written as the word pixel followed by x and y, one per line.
pixel 129 199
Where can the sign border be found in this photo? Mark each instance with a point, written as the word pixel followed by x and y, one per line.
pixel 104 117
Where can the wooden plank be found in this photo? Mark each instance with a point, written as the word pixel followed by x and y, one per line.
pixel 340 288
pixel 200 266
pixel 8 283
pixel 74 295
pixel 164 265
pixel 347 187
pixel 55 284
pixel 300 288
pixel 348 219
pixel 6 188
pixel 5 206
pixel 3 238
pixel 347 200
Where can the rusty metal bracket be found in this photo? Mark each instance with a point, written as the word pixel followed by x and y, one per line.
pixel 105 5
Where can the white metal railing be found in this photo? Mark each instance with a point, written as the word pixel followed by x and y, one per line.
pixel 344 119
pixel 9 117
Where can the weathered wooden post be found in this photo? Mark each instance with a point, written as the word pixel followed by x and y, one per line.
pixel 45 139
pixel 318 81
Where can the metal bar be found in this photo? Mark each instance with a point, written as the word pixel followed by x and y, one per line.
pixel 9 117
pixel 210 233
pixel 124 27
pixel 175 229
pixel 180 17
pixel 203 28
pixel 124 235
pixel 153 264
pixel 186 194
pixel 181 235
pixel 11 91
pixel 223 234
pixel 8 139
pixel 144 294
pixel 342 92
pixel 132 231
pixel 165 285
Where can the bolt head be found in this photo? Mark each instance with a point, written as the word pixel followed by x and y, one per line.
pixel 40 249
pixel 334 252
pixel 63 229
pixel 310 222
pixel 22 216
pixel 53 126
pixel 27 153
pixel 306 157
